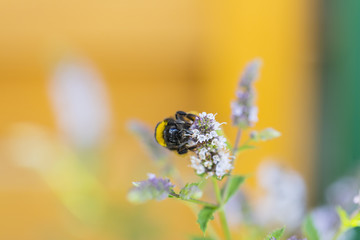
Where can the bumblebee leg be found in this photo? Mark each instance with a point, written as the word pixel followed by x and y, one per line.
pixel 170 147
pixel 182 150
pixel 186 132
pixel 170 121
pixel 191 116
pixel 192 148
pixel 179 115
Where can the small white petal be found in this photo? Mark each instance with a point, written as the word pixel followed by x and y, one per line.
pixel 202 115
pixel 213 134
pixel 201 138
pixel 210 116
pixel 151 175
pixel 253 114
pixel 208 136
pixel 216 159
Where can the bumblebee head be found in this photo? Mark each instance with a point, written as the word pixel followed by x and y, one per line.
pixel 159 132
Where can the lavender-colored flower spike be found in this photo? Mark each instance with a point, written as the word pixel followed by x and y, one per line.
pixel 153 188
pixel 250 74
pixel 146 136
pixel 244 113
pixel 212 156
pixel 295 238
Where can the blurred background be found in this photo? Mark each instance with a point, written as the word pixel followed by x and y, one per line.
pixel 74 73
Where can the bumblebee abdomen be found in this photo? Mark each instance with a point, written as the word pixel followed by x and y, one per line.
pixel 159 133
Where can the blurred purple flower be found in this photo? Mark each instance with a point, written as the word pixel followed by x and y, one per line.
pixel 250 74
pixel 244 112
pixel 342 192
pixel 326 221
pixel 237 210
pixel 80 102
pixel 295 238
pixel 146 136
pixel 153 188
pixel 284 201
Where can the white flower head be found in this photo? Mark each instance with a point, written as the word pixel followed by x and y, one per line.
pixel 212 156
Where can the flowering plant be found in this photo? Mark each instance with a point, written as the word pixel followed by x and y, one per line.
pixel 213 158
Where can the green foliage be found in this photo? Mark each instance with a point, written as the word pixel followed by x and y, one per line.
pixel 276 235
pixel 351 234
pixel 191 190
pixel 201 238
pixel 265 135
pixel 232 186
pixel 309 229
pixel 205 215
pixel 347 222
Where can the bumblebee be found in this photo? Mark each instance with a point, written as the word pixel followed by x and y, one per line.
pixel 175 133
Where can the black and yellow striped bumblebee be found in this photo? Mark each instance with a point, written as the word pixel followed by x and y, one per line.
pixel 175 133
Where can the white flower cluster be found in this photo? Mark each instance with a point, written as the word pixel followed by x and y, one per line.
pixel 212 156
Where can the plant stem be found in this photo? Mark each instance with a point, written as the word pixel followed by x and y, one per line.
pixel 222 215
pixel 206 204
pixel 224 224
pixel 237 141
pixel 233 151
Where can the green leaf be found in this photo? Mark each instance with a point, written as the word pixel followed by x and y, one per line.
pixel 344 218
pixel 264 135
pixel 355 221
pixel 191 190
pixel 204 216
pixel 309 229
pixel 232 186
pixel 200 238
pixel 346 221
pixel 275 235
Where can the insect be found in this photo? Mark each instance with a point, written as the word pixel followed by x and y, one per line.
pixel 175 134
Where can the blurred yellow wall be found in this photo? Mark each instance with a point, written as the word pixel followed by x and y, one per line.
pixel 156 57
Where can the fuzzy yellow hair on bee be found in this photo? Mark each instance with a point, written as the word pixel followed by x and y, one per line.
pixel 159 133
